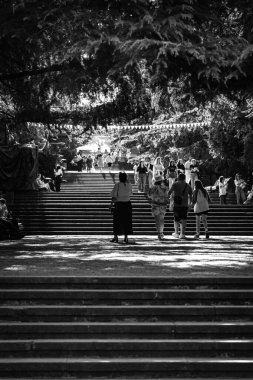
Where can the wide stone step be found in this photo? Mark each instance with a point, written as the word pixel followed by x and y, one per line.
pixel 137 221
pixel 107 216
pixel 138 227
pixel 106 366
pixel 141 230
pixel 124 378
pixel 127 330
pixel 49 313
pixel 188 338
pixel 116 348
pixel 128 282
pixel 122 297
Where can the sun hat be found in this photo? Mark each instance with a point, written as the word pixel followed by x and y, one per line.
pixel 158 178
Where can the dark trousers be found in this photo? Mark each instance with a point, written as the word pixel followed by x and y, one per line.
pixel 58 183
pixel 223 199
pixel 80 165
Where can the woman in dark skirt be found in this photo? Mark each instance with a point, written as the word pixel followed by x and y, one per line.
pixel 122 214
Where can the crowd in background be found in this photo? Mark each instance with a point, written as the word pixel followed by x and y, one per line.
pixel 92 162
pixel 146 169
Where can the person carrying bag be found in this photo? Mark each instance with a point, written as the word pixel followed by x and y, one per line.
pixel 122 210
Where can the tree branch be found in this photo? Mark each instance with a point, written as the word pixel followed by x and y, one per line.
pixel 29 73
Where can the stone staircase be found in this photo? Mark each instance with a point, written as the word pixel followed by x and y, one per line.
pixel 82 208
pixel 126 328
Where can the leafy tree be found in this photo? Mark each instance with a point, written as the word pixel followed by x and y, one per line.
pixel 132 61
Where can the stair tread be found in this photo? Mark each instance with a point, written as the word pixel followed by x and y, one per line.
pixel 147 360
pixel 127 324
pixel 130 291
pixel 129 341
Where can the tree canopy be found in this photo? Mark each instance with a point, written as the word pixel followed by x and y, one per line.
pixel 91 62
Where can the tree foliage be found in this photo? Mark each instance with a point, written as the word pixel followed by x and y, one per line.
pixel 130 60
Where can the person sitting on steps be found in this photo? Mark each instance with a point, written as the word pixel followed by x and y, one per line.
pixel 9 228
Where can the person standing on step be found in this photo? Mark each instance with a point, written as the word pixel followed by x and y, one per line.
pixel 171 173
pixel 135 166
pixel 100 162
pixel 142 176
pixel 58 174
pixel 109 162
pixel 122 214
pixel 200 202
pixel 158 195
pixel 249 200
pixel 158 168
pixel 150 166
pixel 223 189
pixel 240 186
pixel 187 167
pixel 79 161
pixel 182 199
pixel 180 166
pixel 89 163
pixel 194 172
pixel 84 162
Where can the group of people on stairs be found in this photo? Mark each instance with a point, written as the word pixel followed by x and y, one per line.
pixel 180 197
pixel 145 172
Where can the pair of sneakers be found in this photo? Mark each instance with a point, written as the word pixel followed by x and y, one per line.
pixel 176 235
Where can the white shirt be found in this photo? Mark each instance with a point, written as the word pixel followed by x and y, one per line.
pixel 222 188
pixel 122 191
pixel 58 172
pixel 187 165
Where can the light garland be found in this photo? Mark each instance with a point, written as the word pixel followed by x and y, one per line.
pixel 169 127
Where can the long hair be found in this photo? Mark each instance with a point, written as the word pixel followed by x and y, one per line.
pixel 158 158
pixel 199 186
pixel 123 177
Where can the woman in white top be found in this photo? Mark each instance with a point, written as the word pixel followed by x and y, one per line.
pixel 194 172
pixel 159 197
pixel 222 185
pixel 109 161
pixel 41 185
pixel 122 214
pixel 158 167
pixel 100 161
pixel 187 166
pixel 200 201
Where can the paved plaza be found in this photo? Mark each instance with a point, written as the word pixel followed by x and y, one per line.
pixel 145 255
